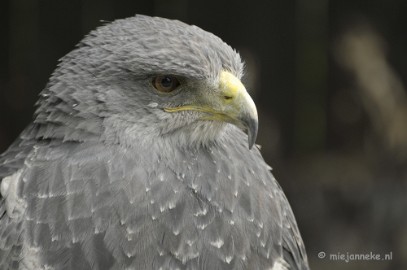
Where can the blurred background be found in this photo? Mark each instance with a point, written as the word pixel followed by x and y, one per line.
pixel 329 78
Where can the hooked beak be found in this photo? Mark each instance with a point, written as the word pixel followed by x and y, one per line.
pixel 231 104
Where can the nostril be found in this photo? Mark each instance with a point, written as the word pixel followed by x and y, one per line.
pixel 227 97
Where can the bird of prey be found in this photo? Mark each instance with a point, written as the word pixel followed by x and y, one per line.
pixel 138 158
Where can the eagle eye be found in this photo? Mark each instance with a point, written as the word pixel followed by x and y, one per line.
pixel 165 83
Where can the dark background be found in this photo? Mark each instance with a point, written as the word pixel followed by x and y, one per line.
pixel 328 77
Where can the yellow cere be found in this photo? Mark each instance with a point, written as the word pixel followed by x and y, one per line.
pixel 229 84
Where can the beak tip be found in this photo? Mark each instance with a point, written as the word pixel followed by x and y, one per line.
pixel 252 132
pixel 250 145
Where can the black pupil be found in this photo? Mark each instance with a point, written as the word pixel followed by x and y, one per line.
pixel 166 82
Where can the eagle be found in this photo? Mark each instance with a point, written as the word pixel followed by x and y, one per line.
pixel 141 155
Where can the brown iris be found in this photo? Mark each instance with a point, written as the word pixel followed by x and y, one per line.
pixel 165 83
